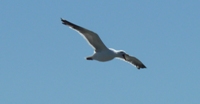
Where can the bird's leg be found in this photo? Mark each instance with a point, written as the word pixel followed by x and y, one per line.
pixel 89 58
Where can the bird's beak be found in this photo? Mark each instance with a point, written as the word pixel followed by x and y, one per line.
pixel 124 56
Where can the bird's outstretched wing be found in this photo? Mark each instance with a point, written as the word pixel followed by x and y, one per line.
pixel 92 38
pixel 133 60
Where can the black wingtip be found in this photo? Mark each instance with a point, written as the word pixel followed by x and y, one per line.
pixel 64 21
pixel 141 66
pixel 61 19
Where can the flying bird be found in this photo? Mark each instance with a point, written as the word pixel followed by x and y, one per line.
pixel 101 52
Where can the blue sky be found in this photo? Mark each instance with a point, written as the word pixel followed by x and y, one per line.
pixel 42 61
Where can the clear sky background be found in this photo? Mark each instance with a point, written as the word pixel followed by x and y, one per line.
pixel 43 61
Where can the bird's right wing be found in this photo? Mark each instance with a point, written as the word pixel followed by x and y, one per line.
pixel 92 38
pixel 133 60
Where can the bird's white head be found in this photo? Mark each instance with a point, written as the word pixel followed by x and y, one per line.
pixel 121 54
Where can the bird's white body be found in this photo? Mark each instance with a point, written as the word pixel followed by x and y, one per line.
pixel 102 53
pixel 105 55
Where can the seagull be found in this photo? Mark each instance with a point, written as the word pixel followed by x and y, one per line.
pixel 101 52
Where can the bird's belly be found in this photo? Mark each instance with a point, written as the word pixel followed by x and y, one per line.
pixel 103 57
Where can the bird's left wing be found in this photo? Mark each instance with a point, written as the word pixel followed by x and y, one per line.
pixel 133 60
pixel 92 38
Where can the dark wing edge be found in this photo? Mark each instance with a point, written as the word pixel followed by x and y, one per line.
pixel 65 22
